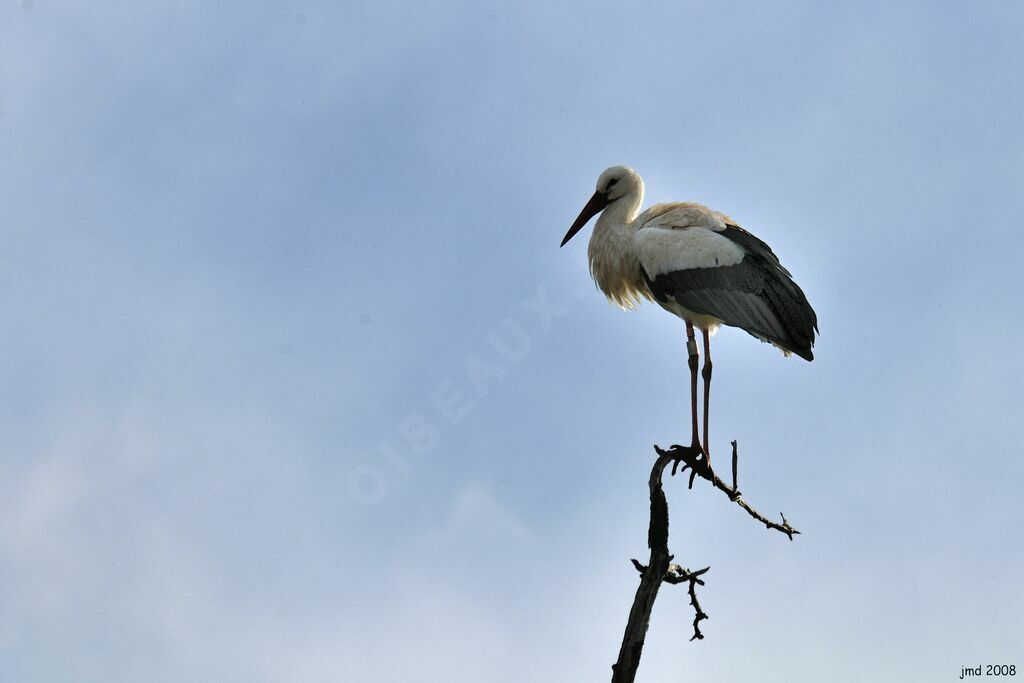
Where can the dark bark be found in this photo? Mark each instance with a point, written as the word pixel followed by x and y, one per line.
pixel 660 568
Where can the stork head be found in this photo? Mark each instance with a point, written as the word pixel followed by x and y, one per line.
pixel 618 183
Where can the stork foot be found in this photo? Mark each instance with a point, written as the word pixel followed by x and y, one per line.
pixel 692 457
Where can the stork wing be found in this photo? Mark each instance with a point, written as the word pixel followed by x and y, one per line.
pixel 731 275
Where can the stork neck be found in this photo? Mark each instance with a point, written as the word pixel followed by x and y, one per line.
pixel 613 259
pixel 616 221
pixel 623 210
pixel 612 238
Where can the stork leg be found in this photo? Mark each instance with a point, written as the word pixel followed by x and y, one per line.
pixel 706 374
pixel 691 348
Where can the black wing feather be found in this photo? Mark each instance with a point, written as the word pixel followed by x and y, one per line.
pixel 757 295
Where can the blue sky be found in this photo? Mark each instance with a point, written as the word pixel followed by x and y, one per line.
pixel 300 387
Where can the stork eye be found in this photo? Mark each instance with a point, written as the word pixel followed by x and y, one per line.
pixel 610 183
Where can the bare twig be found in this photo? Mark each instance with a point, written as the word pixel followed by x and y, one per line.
pixel 735 459
pixel 678 574
pixel 699 467
pixel 698 613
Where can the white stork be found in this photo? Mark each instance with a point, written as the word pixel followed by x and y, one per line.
pixel 697 264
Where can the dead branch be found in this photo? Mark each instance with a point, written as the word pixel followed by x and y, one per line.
pixel 651 576
pixel 700 467
pixel 660 568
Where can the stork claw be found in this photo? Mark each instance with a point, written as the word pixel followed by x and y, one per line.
pixel 692 457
